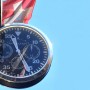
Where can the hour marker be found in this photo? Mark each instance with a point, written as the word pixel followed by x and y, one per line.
pixel 31 32
pixel 41 63
pixel 41 41
pixel 44 51
pixel 36 69
pixel 41 66
pixel 45 57
pixel 17 28
pixel 31 72
pixel 18 33
pixel 44 61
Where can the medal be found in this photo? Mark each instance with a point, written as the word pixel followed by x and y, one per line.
pixel 25 54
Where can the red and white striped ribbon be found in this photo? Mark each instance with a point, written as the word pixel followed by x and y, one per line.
pixel 17 11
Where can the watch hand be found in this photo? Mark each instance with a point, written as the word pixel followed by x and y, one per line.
pixel 19 59
pixel 27 68
pixel 14 40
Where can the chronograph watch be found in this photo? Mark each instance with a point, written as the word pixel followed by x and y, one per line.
pixel 25 55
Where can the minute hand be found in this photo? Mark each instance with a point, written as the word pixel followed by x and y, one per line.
pixel 13 38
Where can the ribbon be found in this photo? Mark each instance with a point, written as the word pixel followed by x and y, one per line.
pixel 17 11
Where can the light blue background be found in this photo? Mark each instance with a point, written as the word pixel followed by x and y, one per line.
pixel 67 24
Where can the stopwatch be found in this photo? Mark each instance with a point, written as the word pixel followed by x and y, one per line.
pixel 25 55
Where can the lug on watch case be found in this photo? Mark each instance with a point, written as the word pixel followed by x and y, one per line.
pixel 25 55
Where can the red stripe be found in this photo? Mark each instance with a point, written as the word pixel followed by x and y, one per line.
pixel 8 9
pixel 27 3
pixel 26 19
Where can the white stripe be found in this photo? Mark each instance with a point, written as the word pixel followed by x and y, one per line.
pixel 16 5
pixel 17 12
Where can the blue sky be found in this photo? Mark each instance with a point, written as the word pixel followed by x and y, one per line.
pixel 67 25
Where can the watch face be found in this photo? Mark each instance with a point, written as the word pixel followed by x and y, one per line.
pixel 23 52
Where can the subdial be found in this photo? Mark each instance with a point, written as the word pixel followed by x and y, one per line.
pixel 14 61
pixel 5 51
pixel 33 52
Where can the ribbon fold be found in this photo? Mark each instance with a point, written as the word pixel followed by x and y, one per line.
pixel 17 11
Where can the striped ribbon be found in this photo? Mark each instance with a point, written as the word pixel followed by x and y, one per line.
pixel 17 11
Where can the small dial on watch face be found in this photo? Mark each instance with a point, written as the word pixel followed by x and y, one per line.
pixel 23 52
pixel 7 51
